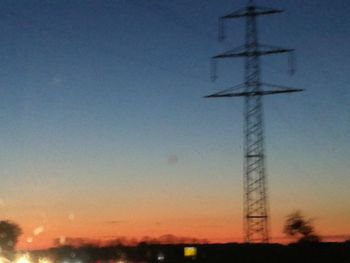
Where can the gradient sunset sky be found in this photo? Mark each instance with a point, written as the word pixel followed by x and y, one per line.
pixel 104 131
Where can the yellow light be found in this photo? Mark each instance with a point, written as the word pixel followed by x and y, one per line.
pixel 44 260
pixel 23 259
pixel 190 251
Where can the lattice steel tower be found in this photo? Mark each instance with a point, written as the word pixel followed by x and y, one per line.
pixel 256 217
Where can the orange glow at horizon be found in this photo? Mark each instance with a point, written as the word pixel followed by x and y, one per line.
pixel 138 231
pixel 43 237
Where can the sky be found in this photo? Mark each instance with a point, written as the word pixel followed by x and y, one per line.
pixel 104 132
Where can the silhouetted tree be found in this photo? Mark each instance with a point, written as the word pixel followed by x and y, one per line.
pixel 297 226
pixel 9 233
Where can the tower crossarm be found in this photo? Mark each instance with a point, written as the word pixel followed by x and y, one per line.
pixel 252 93
pixel 235 91
pixel 261 50
pixel 251 11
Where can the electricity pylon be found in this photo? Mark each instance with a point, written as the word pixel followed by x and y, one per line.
pixel 256 227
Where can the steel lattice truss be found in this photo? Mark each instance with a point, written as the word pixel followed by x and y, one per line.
pixel 256 217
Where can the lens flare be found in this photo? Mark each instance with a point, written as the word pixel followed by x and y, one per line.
pixel 23 259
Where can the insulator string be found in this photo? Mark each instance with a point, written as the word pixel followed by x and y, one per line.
pixel 221 31
pixel 291 63
pixel 213 69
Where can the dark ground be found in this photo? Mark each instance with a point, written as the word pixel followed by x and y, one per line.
pixel 270 253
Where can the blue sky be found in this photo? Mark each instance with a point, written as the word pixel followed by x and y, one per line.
pixel 106 97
